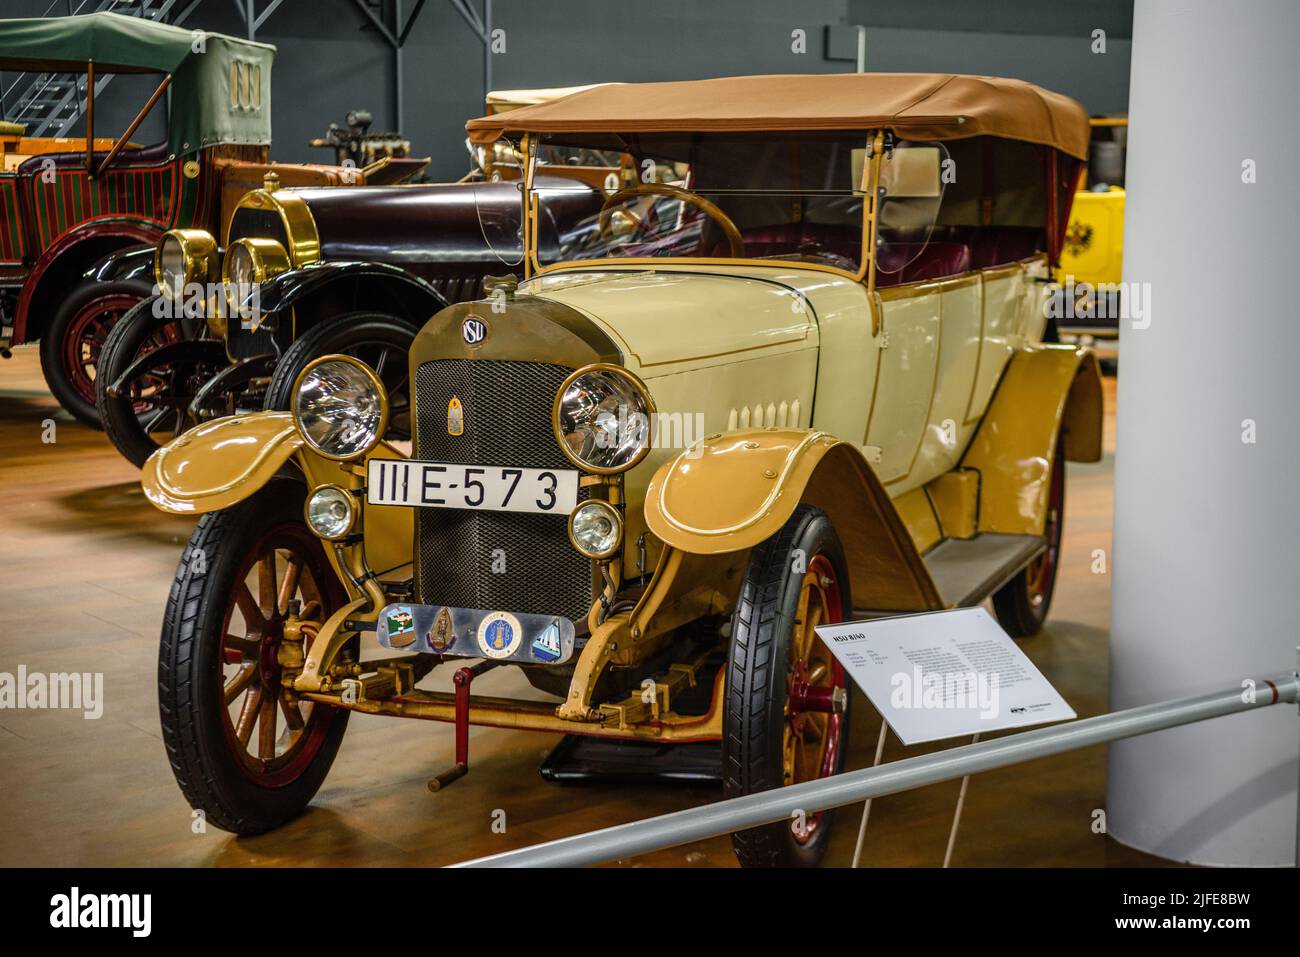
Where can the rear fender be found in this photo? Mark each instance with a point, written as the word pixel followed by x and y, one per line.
pixel 1046 395
pixel 743 486
pixel 64 264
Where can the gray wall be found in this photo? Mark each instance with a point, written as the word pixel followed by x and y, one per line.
pixel 331 59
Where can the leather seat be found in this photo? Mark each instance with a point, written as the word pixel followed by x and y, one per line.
pixel 900 263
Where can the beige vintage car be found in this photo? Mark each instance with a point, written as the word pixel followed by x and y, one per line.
pixel 786 365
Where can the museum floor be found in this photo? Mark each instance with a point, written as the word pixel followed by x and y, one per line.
pixel 86 567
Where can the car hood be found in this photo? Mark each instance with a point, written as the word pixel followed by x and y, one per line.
pixel 664 318
pixel 474 222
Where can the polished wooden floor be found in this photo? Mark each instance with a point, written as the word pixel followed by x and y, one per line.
pixel 85 565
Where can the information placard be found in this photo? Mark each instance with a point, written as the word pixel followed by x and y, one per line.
pixel 944 674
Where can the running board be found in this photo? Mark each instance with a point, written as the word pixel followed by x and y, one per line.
pixel 968 570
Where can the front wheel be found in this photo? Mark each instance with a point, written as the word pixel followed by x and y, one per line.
pixel 71 346
pixel 153 407
pixel 245 751
pixel 787 715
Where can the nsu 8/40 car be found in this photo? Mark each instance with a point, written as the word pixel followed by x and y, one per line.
pixel 841 276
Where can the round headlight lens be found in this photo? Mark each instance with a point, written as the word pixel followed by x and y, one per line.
pixel 169 266
pixel 602 419
pixel 183 256
pixel 596 529
pixel 240 273
pixel 330 512
pixel 340 407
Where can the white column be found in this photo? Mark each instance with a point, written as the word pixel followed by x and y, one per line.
pixel 1206 560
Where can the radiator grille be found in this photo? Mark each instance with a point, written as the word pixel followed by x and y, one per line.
pixel 507 421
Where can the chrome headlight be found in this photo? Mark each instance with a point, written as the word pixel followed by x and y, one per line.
pixel 602 418
pixel 330 512
pixel 596 529
pixel 250 261
pixel 181 257
pixel 340 407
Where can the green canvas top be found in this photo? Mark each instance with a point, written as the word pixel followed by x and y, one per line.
pixel 204 66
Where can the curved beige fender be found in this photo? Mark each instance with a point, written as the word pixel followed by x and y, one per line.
pixel 1047 394
pixel 741 487
pixel 223 462
pixel 219 463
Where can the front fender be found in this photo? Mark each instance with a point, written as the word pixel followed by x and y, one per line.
pixel 132 263
pixel 221 462
pixel 741 487
pixel 290 287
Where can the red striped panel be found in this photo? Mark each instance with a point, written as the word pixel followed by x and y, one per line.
pixel 145 193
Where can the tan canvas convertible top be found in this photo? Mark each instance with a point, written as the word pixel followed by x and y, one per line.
pixel 923 106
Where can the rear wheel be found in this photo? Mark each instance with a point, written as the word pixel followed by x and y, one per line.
pixel 381 341
pixel 1021 605
pixel 71 346
pixel 245 751
pixel 787 701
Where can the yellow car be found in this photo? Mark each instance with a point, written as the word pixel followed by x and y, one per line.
pixel 783 367
pixel 1092 257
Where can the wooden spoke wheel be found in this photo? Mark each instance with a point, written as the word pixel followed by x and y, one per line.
pixel 72 345
pixel 814 732
pixel 274 734
pixel 787 717
pixel 245 750
pixel 153 405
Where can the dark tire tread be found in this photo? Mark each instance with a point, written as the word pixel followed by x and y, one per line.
pixel 756 665
pixel 196 596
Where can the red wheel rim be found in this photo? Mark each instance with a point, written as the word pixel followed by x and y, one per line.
pixel 273 736
pixel 150 389
pixel 1040 575
pixel 85 337
pixel 814 733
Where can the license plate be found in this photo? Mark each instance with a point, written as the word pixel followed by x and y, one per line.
pixel 491 488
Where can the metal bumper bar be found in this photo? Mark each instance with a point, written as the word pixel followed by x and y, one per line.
pixel 752 810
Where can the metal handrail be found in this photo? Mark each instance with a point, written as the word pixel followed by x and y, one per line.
pixel 809 797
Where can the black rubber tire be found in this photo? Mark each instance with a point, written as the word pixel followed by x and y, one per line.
pixel 347 335
pixel 57 376
pixel 756 690
pixel 189 685
pixel 1013 604
pixel 124 428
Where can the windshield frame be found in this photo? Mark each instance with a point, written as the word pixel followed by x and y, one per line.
pixel 866 272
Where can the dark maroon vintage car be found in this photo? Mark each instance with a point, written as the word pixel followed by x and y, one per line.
pixel 351 271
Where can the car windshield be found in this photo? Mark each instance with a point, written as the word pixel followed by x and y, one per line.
pixel 780 196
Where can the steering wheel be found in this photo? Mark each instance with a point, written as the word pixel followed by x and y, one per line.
pixel 734 239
